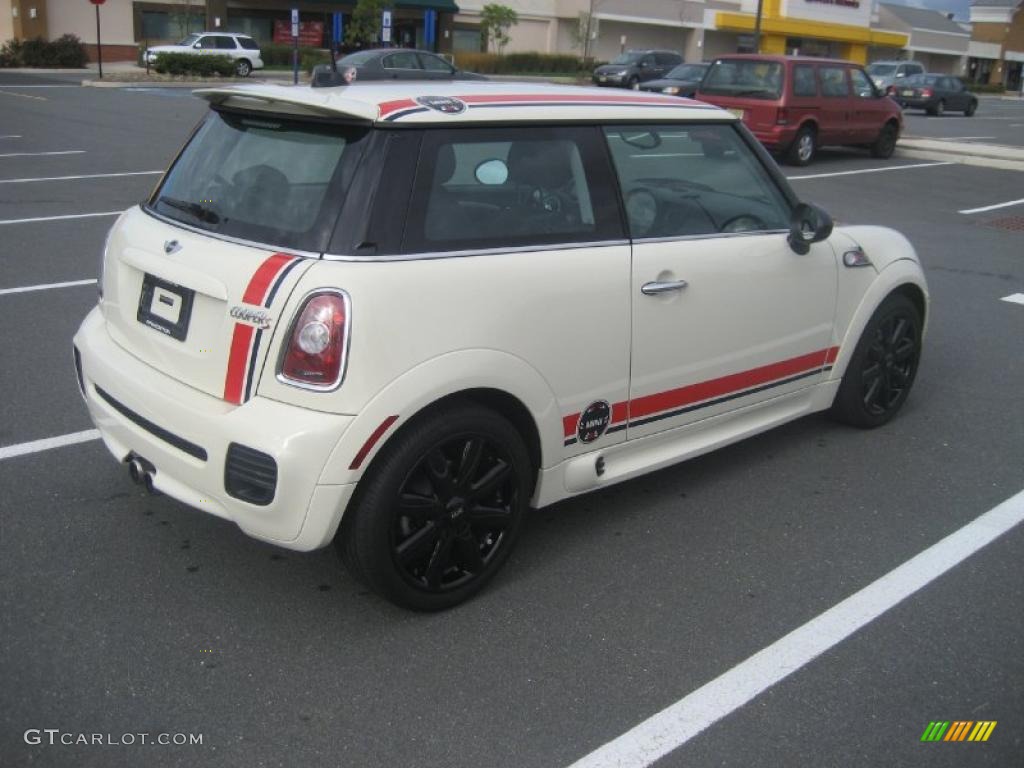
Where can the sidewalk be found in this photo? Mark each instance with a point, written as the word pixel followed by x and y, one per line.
pixel 986 155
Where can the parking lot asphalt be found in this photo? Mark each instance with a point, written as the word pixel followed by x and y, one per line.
pixel 997 121
pixel 124 613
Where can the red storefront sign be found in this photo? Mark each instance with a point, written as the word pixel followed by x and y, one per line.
pixel 311 33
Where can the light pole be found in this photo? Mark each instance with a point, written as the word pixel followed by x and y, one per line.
pixel 757 27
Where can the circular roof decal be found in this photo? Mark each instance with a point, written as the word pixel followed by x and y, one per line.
pixel 594 421
pixel 445 104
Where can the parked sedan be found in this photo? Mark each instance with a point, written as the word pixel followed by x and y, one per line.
pixel 681 81
pixel 935 94
pixel 403 64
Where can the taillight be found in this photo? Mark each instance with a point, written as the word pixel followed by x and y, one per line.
pixel 926 92
pixel 316 347
pixel 782 116
pixel 891 90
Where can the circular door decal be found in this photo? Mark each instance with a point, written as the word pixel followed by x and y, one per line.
pixel 594 421
pixel 445 104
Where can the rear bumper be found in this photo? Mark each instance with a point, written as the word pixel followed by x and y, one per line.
pixel 777 138
pixel 917 103
pixel 171 425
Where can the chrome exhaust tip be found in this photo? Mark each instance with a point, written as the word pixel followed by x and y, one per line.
pixel 136 471
pixel 147 481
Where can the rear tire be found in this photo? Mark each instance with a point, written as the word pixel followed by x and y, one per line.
pixel 243 68
pixel 885 144
pixel 633 83
pixel 972 107
pixel 801 152
pixel 440 509
pixel 938 109
pixel 882 368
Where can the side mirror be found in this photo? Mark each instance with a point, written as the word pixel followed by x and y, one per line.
pixel 197 45
pixel 808 224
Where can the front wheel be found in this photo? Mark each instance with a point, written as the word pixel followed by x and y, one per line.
pixel 885 144
pixel 633 83
pixel 440 509
pixel 972 106
pixel 883 365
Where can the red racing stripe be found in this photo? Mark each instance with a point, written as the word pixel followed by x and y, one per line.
pixel 372 441
pixel 260 282
pixel 706 390
pixel 387 107
pixel 234 382
pixel 582 98
pixel 831 354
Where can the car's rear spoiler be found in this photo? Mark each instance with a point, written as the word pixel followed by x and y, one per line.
pixel 293 101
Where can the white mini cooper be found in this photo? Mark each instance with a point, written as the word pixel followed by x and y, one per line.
pixel 396 316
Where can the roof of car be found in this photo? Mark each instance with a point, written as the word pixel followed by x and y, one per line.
pixel 462 102
pixel 781 58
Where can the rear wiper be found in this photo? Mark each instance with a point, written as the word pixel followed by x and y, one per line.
pixel 201 212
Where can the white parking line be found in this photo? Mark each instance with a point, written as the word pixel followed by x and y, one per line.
pixel 86 176
pixel 59 218
pixel 40 154
pixel 11 136
pixel 20 449
pixel 674 726
pixel 992 207
pixel 14 85
pixel 868 170
pixel 46 287
pixel 1014 298
pixel 961 138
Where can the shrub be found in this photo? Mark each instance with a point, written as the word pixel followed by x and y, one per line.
pixel 190 64
pixel 65 51
pixel 522 63
pixel 986 87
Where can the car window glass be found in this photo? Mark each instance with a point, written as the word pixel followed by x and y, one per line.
pixel 862 85
pixel 804 83
pixel 257 178
pixel 434 63
pixel 547 194
pixel 248 43
pixel 744 77
pixel 648 61
pixel 226 43
pixel 833 81
pixel 692 180
pixel 955 85
pixel 207 42
pixel 404 60
pixel 901 71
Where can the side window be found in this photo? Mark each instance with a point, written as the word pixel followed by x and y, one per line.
pixel 902 71
pixel 955 84
pixel 648 60
pixel 833 81
pixel 666 59
pixel 248 43
pixel 508 187
pixel 915 69
pixel 401 61
pixel 434 63
pixel 225 43
pixel 862 85
pixel 691 180
pixel 207 43
pixel 803 81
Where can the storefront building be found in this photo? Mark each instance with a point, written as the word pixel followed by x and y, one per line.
pixel 935 40
pixel 996 49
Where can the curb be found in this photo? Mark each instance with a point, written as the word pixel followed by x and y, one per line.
pixel 988 151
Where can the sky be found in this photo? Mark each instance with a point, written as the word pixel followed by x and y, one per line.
pixel 960 7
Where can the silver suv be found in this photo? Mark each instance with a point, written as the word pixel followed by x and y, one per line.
pixel 242 48
pixel 886 74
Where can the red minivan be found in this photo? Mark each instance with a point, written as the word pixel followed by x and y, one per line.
pixel 795 104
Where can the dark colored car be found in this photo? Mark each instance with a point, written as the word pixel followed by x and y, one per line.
pixel 795 104
pixel 681 81
pixel 403 64
pixel 629 69
pixel 936 94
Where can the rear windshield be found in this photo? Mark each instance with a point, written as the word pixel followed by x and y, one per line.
pixel 921 80
pixel 687 72
pixel 881 70
pixel 248 43
pixel 260 178
pixel 741 77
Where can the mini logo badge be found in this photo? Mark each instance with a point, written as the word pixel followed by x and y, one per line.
pixel 594 421
pixel 256 317
pixel 171 246
pixel 445 104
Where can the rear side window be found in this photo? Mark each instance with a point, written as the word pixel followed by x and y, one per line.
pixel 401 61
pixel 744 77
pixel 862 85
pixel 226 43
pixel 668 58
pixel 833 81
pixel 208 42
pixel 505 187
pixel 248 43
pixel 433 63
pixel 804 82
pixel 260 178
pixel 693 180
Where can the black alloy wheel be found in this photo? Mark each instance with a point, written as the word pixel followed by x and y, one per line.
pixel 881 371
pixel 441 509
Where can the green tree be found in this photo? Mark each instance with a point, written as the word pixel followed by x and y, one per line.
pixel 364 28
pixel 495 21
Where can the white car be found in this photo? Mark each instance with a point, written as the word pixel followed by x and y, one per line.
pixel 242 48
pixel 396 316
